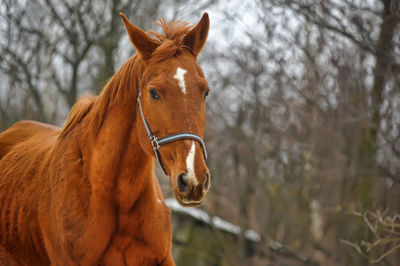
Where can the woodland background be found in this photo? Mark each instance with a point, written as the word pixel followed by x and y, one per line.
pixel 303 122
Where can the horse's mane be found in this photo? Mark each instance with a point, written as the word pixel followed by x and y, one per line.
pixel 123 84
pixel 171 42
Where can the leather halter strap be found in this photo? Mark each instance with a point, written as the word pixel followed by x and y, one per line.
pixel 157 143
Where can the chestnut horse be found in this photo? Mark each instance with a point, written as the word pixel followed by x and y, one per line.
pixel 86 194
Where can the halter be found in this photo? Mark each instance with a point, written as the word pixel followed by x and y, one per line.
pixel 157 143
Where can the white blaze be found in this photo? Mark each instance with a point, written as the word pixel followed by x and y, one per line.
pixel 191 175
pixel 180 76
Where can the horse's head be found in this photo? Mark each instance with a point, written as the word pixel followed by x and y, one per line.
pixel 172 97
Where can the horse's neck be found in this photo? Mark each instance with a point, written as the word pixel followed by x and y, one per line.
pixel 118 163
pixel 118 159
pixel 136 177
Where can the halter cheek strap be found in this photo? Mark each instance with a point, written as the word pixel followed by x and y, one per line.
pixel 157 143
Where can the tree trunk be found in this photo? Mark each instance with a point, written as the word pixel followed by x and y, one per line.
pixel 367 169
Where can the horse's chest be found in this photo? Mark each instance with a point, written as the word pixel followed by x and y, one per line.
pixel 127 251
pixel 140 240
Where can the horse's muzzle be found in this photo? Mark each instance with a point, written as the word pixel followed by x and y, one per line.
pixel 189 190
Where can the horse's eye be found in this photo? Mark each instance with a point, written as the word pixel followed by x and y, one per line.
pixel 206 93
pixel 154 94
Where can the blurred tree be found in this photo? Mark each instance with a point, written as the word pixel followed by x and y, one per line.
pixel 69 47
pixel 306 104
pixel 53 51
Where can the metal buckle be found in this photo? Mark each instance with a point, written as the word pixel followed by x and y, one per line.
pixel 154 142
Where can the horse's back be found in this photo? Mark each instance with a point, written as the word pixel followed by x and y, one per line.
pixel 23 131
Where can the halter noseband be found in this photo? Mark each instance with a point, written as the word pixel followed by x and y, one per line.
pixel 157 143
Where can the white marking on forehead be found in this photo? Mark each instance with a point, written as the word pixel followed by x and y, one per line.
pixel 191 175
pixel 180 76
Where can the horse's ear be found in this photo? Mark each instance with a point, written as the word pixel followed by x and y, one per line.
pixel 197 37
pixel 144 45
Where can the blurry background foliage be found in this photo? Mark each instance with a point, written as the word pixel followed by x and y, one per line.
pixel 303 119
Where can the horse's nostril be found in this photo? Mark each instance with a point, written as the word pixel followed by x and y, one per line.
pixel 207 183
pixel 182 184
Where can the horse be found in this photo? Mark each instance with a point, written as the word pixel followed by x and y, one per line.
pixel 86 193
